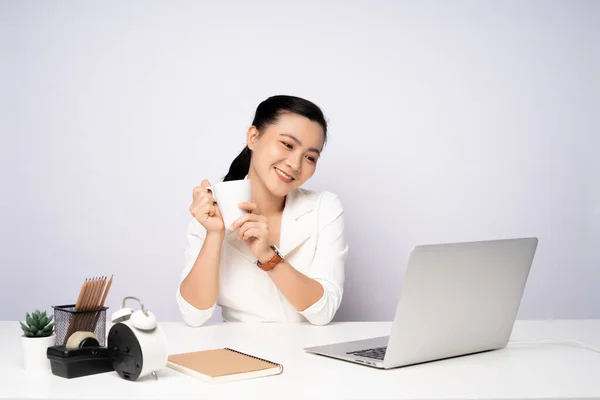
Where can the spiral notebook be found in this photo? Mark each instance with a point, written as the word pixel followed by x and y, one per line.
pixel 222 365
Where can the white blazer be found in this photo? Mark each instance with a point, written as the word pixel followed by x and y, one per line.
pixel 312 241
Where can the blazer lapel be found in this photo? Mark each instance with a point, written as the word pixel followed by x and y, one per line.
pixel 297 221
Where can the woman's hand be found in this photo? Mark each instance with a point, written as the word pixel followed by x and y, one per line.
pixel 254 230
pixel 205 209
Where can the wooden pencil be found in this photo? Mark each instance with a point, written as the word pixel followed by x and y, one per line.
pixel 103 300
pixel 87 323
pixel 80 298
pixel 78 306
pixel 106 291
pixel 77 317
pixel 97 299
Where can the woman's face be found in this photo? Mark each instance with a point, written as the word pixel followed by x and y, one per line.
pixel 286 154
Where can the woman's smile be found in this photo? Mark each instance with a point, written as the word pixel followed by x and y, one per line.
pixel 283 176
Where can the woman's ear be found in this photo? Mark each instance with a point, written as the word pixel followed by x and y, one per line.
pixel 251 137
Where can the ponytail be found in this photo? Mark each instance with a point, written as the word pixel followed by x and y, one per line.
pixel 240 166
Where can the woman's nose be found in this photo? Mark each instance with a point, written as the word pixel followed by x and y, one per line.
pixel 294 163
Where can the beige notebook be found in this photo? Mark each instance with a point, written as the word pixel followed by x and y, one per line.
pixel 222 365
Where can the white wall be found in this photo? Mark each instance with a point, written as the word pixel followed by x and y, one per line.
pixel 450 121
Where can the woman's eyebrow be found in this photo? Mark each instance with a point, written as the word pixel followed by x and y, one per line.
pixel 295 139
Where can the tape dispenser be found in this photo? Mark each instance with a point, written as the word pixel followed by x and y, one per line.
pixel 81 355
pixel 136 344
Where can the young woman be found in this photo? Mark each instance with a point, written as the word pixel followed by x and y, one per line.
pixel 284 259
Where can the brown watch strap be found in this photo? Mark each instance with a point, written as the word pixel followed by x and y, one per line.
pixel 269 265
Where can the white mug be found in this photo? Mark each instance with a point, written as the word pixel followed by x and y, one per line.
pixel 229 195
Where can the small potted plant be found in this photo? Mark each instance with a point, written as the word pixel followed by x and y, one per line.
pixel 38 335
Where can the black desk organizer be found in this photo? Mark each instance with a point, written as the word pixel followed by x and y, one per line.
pixel 91 357
pixel 83 361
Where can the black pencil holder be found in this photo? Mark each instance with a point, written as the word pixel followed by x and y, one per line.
pixel 68 321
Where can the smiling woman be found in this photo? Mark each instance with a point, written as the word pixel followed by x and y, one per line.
pixel 284 259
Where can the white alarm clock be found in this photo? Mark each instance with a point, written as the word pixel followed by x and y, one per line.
pixel 136 344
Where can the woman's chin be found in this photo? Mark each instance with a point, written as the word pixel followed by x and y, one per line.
pixel 280 189
pixel 279 192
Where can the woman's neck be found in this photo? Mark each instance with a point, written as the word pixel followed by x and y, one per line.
pixel 267 203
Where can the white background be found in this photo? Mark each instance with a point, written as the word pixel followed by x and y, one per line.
pixel 449 121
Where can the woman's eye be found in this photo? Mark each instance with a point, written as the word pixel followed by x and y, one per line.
pixel 311 159
pixel 289 146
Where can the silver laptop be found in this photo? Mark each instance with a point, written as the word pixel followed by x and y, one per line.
pixel 456 299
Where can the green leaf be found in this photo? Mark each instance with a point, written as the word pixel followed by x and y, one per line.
pixel 28 319
pixel 33 330
pixel 25 328
pixel 43 321
pixel 48 328
pixel 27 332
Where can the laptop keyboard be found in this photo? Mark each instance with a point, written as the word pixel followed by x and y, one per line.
pixel 377 353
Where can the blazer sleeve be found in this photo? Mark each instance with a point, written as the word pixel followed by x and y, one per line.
pixel 191 315
pixel 329 262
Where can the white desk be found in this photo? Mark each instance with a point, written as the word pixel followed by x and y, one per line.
pixel 531 370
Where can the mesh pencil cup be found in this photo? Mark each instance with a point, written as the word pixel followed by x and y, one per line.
pixel 68 321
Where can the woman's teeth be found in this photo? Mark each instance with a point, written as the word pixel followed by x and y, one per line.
pixel 283 174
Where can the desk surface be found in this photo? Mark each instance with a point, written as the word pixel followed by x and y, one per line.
pixel 539 369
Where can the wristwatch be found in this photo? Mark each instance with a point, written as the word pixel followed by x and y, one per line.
pixel 276 259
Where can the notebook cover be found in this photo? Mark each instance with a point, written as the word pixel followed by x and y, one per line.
pixel 222 363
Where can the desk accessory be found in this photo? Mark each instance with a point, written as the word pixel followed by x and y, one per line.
pixel 81 356
pixel 38 335
pixel 222 365
pixel 137 345
pixel 88 314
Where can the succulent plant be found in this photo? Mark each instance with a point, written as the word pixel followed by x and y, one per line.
pixel 38 324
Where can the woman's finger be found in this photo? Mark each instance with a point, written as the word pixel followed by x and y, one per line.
pixel 206 210
pixel 202 211
pixel 198 192
pixel 248 206
pixel 245 219
pixel 199 203
pixel 252 232
pixel 206 200
pixel 245 227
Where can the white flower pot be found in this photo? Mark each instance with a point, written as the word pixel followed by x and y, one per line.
pixel 34 352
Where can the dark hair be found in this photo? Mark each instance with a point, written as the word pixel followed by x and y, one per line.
pixel 268 112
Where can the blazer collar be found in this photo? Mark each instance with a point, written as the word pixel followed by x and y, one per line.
pixel 296 225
